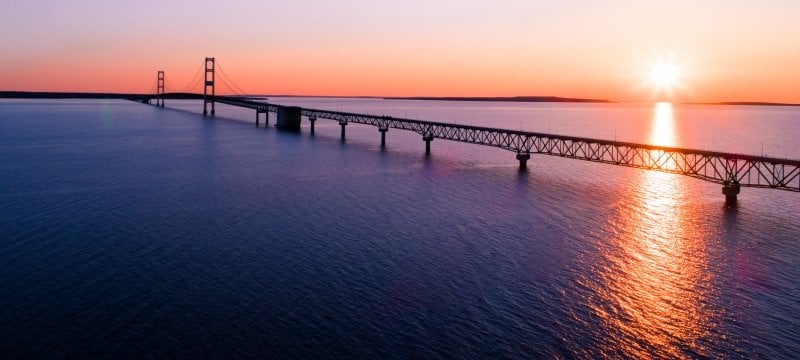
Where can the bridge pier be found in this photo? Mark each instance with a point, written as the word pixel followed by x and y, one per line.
pixel 213 110
pixel 312 120
pixel 523 160
pixel 427 137
pixel 730 191
pixel 342 123
pixel 289 118
pixel 383 129
pixel 266 117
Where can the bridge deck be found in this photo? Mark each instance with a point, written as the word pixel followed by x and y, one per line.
pixel 718 167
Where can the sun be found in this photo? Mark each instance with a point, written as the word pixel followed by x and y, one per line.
pixel 664 75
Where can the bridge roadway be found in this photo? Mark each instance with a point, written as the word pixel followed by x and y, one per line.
pixel 730 170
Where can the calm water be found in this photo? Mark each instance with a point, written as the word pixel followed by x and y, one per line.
pixel 133 231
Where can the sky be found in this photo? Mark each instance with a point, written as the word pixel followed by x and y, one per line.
pixel 721 50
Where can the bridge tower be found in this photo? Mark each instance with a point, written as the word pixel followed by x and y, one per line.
pixel 160 90
pixel 209 83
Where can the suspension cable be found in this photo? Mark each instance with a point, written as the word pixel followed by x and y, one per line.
pixel 222 79
pixel 225 80
pixel 229 79
pixel 153 87
pixel 193 85
pixel 196 76
pixel 169 86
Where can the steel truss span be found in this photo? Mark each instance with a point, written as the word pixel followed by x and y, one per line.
pixel 717 167
pixel 728 169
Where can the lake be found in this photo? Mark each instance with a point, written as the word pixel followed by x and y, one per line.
pixel 135 231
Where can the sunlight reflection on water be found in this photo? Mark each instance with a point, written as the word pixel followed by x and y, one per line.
pixel 655 289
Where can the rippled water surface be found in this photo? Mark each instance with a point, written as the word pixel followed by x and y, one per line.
pixel 133 231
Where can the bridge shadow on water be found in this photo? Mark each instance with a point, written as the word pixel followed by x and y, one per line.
pixel 209 120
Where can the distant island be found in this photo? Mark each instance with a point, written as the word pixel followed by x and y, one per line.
pixel 508 99
pixel 753 103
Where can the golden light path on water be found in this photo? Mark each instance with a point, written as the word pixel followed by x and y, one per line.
pixel 653 299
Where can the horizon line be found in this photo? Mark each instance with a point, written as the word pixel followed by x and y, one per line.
pixel 20 94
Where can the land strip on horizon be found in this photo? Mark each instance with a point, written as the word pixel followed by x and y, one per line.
pixel 552 99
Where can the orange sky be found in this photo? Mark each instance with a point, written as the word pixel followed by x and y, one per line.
pixel 724 50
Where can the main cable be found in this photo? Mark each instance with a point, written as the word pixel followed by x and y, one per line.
pixel 229 79
pixel 196 76
pixel 229 88
pixel 169 86
pixel 222 78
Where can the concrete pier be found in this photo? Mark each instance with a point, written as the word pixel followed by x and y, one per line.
pixel 312 120
pixel 383 129
pixel 266 117
pixel 730 191
pixel 523 160
pixel 288 118
pixel 427 137
pixel 343 123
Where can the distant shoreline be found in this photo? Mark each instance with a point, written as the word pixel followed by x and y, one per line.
pixel 554 99
pixel 747 103
pixel 63 95
pixel 551 99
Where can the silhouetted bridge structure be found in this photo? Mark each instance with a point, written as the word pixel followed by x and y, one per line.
pixel 732 171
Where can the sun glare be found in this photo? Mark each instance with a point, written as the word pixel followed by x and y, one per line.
pixel 664 75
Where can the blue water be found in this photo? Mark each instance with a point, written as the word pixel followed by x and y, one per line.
pixel 133 231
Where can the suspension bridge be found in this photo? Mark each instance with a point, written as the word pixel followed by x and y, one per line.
pixel 732 171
